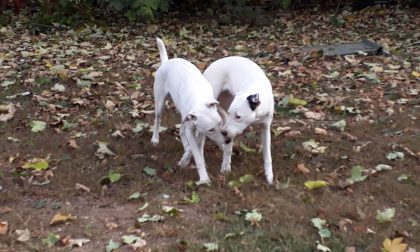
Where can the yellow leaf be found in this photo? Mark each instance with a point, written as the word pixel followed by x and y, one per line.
pixel 394 245
pixel 415 74
pixel 315 184
pixel 49 64
pixel 61 218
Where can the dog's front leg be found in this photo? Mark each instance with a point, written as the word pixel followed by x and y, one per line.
pixel 197 154
pixel 266 149
pixel 227 157
pixel 186 157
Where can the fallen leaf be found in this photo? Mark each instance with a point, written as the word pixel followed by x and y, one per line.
pixel 313 147
pixel 59 88
pixel 246 148
pixel 320 131
pixel 395 245
pixel 170 210
pixel 112 177
pixel 147 218
pixel 313 115
pixel 295 101
pixel 3 227
pixel 23 235
pixel 383 167
pixel 385 215
pixel 211 246
pixel 111 246
pixel 323 248
pixel 246 178
pixel 77 242
pixel 7 112
pixel 333 75
pixel 38 164
pixel 134 195
pixel 82 187
pixel 145 205
pixel 395 155
pixel 314 184
pixel 149 171
pixel 254 217
pixel 195 198
pixel 61 218
pixel 340 125
pixel 72 143
pixel 356 173
pixel 50 240
pixel 103 150
pixel 302 168
pixel 37 126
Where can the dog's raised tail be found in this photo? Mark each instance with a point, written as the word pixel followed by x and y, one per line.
pixel 162 50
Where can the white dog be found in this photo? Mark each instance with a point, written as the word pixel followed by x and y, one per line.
pixel 193 97
pixel 253 102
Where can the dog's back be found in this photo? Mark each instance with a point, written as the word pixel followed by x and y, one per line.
pixel 184 82
pixel 232 73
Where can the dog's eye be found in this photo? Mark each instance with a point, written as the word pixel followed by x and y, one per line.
pixel 238 117
pixel 211 130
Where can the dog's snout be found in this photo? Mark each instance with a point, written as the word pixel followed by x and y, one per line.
pixel 224 132
pixel 228 140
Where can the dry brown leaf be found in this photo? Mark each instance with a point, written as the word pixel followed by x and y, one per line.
pixel 61 218
pixel 82 187
pixel 5 209
pixel 313 115
pixel 72 143
pixel 320 131
pixel 140 243
pixel 293 133
pixel 3 227
pixel 109 104
pixel 23 235
pixel 350 249
pixel 7 112
pixel 302 168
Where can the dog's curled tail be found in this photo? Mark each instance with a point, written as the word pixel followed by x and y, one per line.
pixel 162 50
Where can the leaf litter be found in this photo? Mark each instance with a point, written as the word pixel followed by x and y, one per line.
pixel 367 92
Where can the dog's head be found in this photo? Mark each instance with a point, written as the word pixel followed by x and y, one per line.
pixel 208 121
pixel 241 113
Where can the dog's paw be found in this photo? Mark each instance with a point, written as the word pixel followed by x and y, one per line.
pixel 185 161
pixel 269 174
pixel 155 140
pixel 225 168
pixel 204 181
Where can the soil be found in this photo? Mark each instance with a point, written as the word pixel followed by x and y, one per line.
pixel 386 123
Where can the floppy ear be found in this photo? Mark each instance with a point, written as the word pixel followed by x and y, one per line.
pixel 212 104
pixel 254 101
pixel 191 117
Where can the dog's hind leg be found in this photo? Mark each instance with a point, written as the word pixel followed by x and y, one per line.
pixel 186 157
pixel 160 97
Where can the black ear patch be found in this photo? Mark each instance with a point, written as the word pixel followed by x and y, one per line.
pixel 254 101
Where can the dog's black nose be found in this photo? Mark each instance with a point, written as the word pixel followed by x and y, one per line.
pixel 224 132
pixel 228 140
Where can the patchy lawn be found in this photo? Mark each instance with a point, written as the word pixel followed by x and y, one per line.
pixel 76 109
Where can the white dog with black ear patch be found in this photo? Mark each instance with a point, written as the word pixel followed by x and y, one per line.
pixel 253 103
pixel 193 97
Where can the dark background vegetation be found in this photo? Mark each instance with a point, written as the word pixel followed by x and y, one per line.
pixel 74 12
